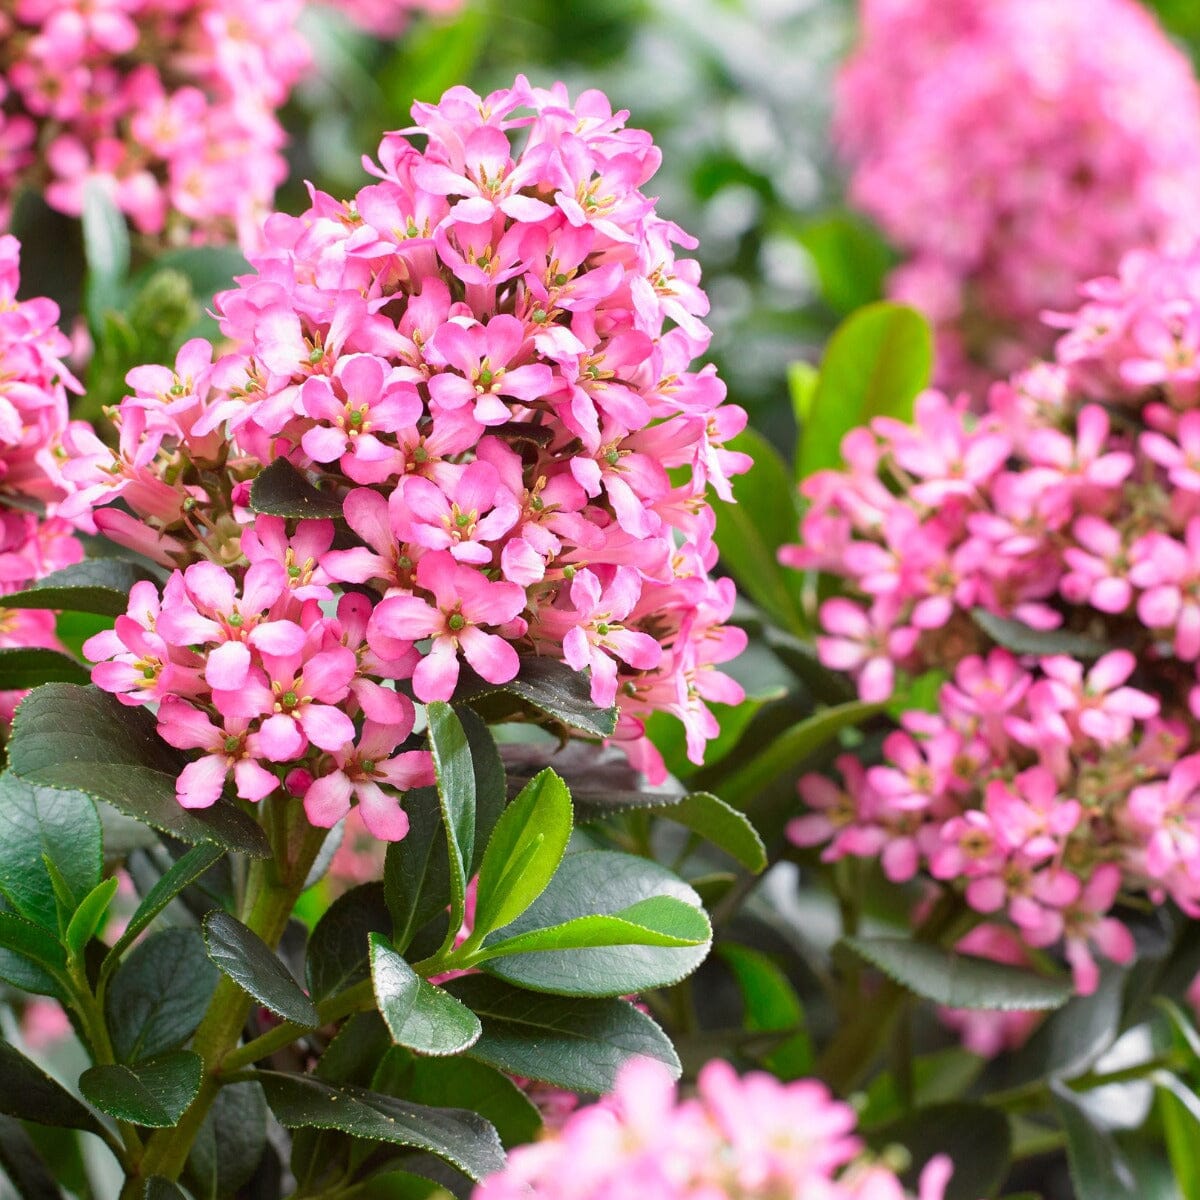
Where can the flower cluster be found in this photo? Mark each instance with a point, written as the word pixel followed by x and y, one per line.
pixel 162 102
pixel 33 420
pixel 389 18
pixel 1062 521
pixel 1098 152
pixel 751 1137
pixel 484 361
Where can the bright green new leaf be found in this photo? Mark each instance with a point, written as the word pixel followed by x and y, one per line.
pixel 87 917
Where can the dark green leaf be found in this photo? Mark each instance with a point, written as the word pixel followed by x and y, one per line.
pixel 282 491
pixel 62 826
pixel 787 752
pixel 27 1092
pixel 600 882
pixel 257 969
pixel 159 993
pixel 725 827
pixel 462 1138
pixel 1098 1168
pixel 491 784
pixel 416 871
pixel 338 953
pixel 232 1139
pixel 977 1139
pixel 751 532
pixel 418 1015
pixel 456 794
pixel 86 920
pixel 550 687
pixel 97 585
pixel 84 739
pixel 27 666
pixel 1023 639
pixel 466 1083
pixel 575 1044
pixel 155 1093
pixel 960 980
pixel 185 872
pixel 31 942
pixel 524 852
pixel 24 1166
pixel 875 364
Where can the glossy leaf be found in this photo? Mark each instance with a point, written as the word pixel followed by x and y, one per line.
pixel 338 952
pixel 751 532
pixel 83 739
pixel 418 1015
pixel 281 490
pixel 602 882
pixel 576 1044
pixel 875 364
pixel 960 980
pixel 524 852
pixel 155 1093
pixel 88 916
pixel 770 1004
pixel 40 821
pixel 242 955
pixel 1099 1170
pixel 416 871
pixel 491 783
pixel 27 666
pixel 24 1166
pixel 27 1092
pixel 456 794
pixel 185 871
pixel 462 1138
pixel 158 994
pixel 96 585
pixel 31 942
pixel 722 825
pixel 231 1142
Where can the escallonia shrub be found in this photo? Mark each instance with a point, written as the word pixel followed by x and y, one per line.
pixel 451 474
pixel 1036 564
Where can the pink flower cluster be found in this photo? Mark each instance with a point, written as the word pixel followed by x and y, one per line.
pixel 169 105
pixel 1098 152
pixel 752 1137
pixel 33 420
pixel 1045 782
pixel 485 357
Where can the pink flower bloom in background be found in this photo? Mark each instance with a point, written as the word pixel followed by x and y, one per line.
pixel 1098 153
pixel 749 1136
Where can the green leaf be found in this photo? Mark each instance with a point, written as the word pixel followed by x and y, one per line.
pixel 724 826
pixel 86 920
pixel 548 686
pixel 28 1093
pixel 787 752
pixel 280 490
pixel 1099 1170
pixel 802 379
pixel 850 257
pixel 751 532
pixel 62 826
pixel 27 666
pixel 1180 1110
pixel 230 1144
pixel 462 1138
pixel 416 870
pixel 96 585
pixel 338 953
pixel 960 980
pixel 524 852
pixel 875 364
pixel 657 921
pixel 32 942
pixel 575 1044
pixel 456 794
pixel 419 1015
pixel 155 1093
pixel 603 882
pixel 81 738
pixel 183 874
pixel 159 993
pixel 158 1188
pixel 1023 639
pixel 470 1084
pixel 770 1003
pixel 491 782
pixel 106 249
pixel 242 955
pixel 977 1139
pixel 23 1165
